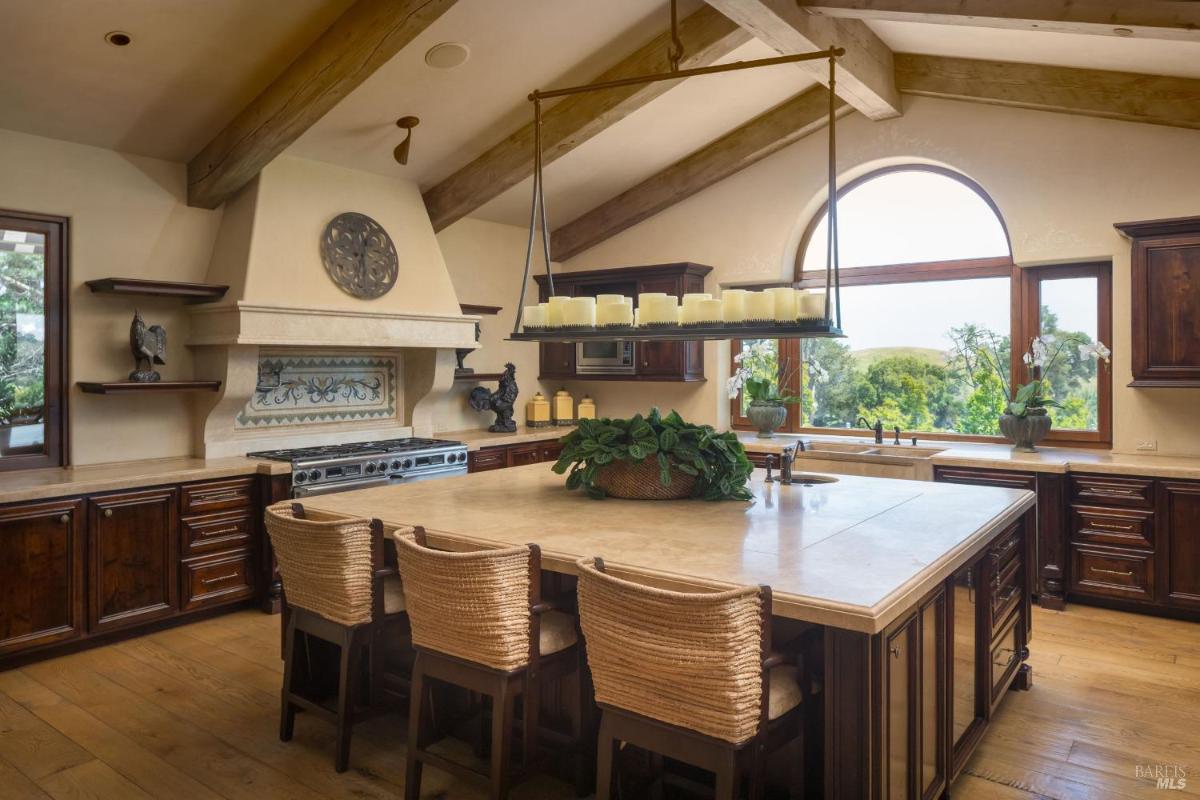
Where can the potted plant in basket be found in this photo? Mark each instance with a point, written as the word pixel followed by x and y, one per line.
pixel 654 458
pixel 1026 420
pixel 760 376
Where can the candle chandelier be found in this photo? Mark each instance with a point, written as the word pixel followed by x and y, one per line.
pixel 782 312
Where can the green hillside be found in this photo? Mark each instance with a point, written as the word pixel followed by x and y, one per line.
pixel 865 358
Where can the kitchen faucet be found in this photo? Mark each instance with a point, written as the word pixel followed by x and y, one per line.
pixel 877 427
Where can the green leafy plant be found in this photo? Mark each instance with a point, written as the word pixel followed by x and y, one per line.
pixel 716 460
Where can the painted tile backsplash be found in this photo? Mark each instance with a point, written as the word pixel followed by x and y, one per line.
pixel 317 388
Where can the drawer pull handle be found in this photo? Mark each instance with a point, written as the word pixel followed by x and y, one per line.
pixel 216 498
pixel 1123 574
pixel 1008 596
pixel 1112 491
pixel 221 531
pixel 998 554
pixel 107 513
pixel 1108 526
pixel 65 519
pixel 231 576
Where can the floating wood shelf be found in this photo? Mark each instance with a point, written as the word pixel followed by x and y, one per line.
pixel 478 376
pixel 680 333
pixel 191 292
pixel 471 308
pixel 132 387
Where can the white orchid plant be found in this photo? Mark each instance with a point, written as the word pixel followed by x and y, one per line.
pixel 1044 352
pixel 756 374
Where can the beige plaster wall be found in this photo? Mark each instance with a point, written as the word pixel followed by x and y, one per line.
pixel 1060 181
pixel 128 218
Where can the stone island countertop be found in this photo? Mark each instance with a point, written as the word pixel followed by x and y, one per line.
pixel 853 554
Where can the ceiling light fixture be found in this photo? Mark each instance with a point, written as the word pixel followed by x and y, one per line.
pixel 828 325
pixel 447 55
pixel 118 38
pixel 401 151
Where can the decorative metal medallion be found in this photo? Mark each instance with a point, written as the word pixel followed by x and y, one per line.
pixel 359 255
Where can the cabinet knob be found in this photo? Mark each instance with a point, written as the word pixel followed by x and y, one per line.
pixel 65 519
pixel 107 512
pixel 895 651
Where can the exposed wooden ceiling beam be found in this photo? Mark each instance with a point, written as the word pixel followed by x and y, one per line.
pixel 1127 96
pixel 360 41
pixel 760 137
pixel 864 73
pixel 1148 19
pixel 707 37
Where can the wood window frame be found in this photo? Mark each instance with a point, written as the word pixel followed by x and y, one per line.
pixel 57 313
pixel 789 353
pixel 1027 294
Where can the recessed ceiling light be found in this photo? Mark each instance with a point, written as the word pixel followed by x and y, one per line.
pixel 1123 31
pixel 447 55
pixel 118 38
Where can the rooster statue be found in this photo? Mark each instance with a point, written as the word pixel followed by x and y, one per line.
pixel 149 345
pixel 500 401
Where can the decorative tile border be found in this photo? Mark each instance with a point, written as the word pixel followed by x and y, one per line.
pixel 316 388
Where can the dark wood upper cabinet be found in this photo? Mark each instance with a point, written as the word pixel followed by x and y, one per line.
pixel 134 567
pixel 1165 283
pixel 654 361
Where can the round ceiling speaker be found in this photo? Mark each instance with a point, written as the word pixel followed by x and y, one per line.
pixel 118 38
pixel 447 55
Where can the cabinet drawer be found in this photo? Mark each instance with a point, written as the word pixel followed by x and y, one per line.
pixel 1006 594
pixel 216 532
pixel 1005 660
pixel 488 458
pixel 213 581
pixel 1116 526
pixel 201 498
pixel 1110 490
pixel 1112 572
pixel 1005 550
pixel 986 477
pixel 551 451
pixel 521 454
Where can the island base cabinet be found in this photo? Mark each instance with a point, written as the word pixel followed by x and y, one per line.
pixel 41 572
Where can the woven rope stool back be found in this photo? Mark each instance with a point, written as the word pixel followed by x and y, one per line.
pixel 325 562
pixel 690 660
pixel 474 605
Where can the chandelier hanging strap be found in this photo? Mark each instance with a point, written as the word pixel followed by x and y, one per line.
pixel 832 278
pixel 539 200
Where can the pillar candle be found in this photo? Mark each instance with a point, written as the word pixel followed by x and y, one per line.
pixel 637 317
pixel 534 316
pixel 615 313
pixel 605 299
pixel 811 305
pixel 733 305
pixel 709 311
pixel 580 311
pixel 760 306
pixel 668 309
pixel 785 303
pixel 554 311
pixel 691 305
pixel 646 302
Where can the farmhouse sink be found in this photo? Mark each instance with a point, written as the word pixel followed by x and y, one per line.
pixel 867 453
pixel 908 451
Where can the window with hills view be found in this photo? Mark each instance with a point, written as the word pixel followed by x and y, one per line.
pixel 927 275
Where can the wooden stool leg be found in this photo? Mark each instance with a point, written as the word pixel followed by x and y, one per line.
pixel 758 769
pixel 659 768
pixel 531 697
pixel 347 684
pixel 287 711
pixel 502 724
pixel 416 712
pixel 727 777
pixel 605 746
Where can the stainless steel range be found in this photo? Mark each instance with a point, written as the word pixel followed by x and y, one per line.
pixel 342 467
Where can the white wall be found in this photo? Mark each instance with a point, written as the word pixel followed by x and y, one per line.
pixel 1060 181
pixel 128 218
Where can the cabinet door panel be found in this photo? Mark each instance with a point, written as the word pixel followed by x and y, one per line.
pixel 1169 275
pixel 133 558
pixel 487 458
pixel 899 682
pixel 521 454
pixel 932 761
pixel 41 574
pixel 1181 504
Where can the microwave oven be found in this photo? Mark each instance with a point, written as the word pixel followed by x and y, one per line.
pixel 612 357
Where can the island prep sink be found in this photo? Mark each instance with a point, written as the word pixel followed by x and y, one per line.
pixel 807 478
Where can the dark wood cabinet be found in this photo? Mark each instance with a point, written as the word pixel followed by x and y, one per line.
pixel 487 458
pixel 968 703
pixel 42 558
pixel 1180 562
pixel 653 361
pixel 133 558
pixel 521 454
pixel 516 455
pixel 1165 308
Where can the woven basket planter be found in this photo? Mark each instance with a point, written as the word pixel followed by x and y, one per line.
pixel 639 481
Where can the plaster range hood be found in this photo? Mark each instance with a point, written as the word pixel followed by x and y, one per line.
pixel 283 312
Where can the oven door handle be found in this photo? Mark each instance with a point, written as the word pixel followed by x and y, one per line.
pixel 340 486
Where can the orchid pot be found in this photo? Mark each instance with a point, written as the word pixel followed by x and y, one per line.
pixel 1027 430
pixel 767 416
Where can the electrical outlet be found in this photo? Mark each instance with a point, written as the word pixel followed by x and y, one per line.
pixel 1151 444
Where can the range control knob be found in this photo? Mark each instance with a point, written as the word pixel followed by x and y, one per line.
pixel 407 463
pixel 301 477
pixel 462 457
pixel 314 475
pixel 396 464
pixel 383 466
pixel 371 468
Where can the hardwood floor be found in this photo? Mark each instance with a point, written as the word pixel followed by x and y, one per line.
pixel 193 713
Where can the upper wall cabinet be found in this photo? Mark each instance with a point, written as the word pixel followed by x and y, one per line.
pixel 1165 281
pixel 651 361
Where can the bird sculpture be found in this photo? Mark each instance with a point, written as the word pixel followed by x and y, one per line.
pixel 500 401
pixel 149 346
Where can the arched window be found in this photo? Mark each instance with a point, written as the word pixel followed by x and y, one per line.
pixel 932 304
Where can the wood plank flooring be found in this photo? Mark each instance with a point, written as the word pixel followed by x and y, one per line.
pixel 192 714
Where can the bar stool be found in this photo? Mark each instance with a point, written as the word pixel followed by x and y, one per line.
pixel 688 676
pixel 338 590
pixel 478 622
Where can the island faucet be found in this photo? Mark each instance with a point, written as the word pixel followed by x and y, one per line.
pixel 877 427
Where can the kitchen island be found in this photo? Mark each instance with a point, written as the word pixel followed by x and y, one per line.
pixel 921 590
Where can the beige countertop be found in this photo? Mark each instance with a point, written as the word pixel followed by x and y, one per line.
pixel 40 484
pixel 854 554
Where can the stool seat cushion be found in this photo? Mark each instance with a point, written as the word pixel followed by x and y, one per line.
pixel 393 595
pixel 557 632
pixel 785 691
